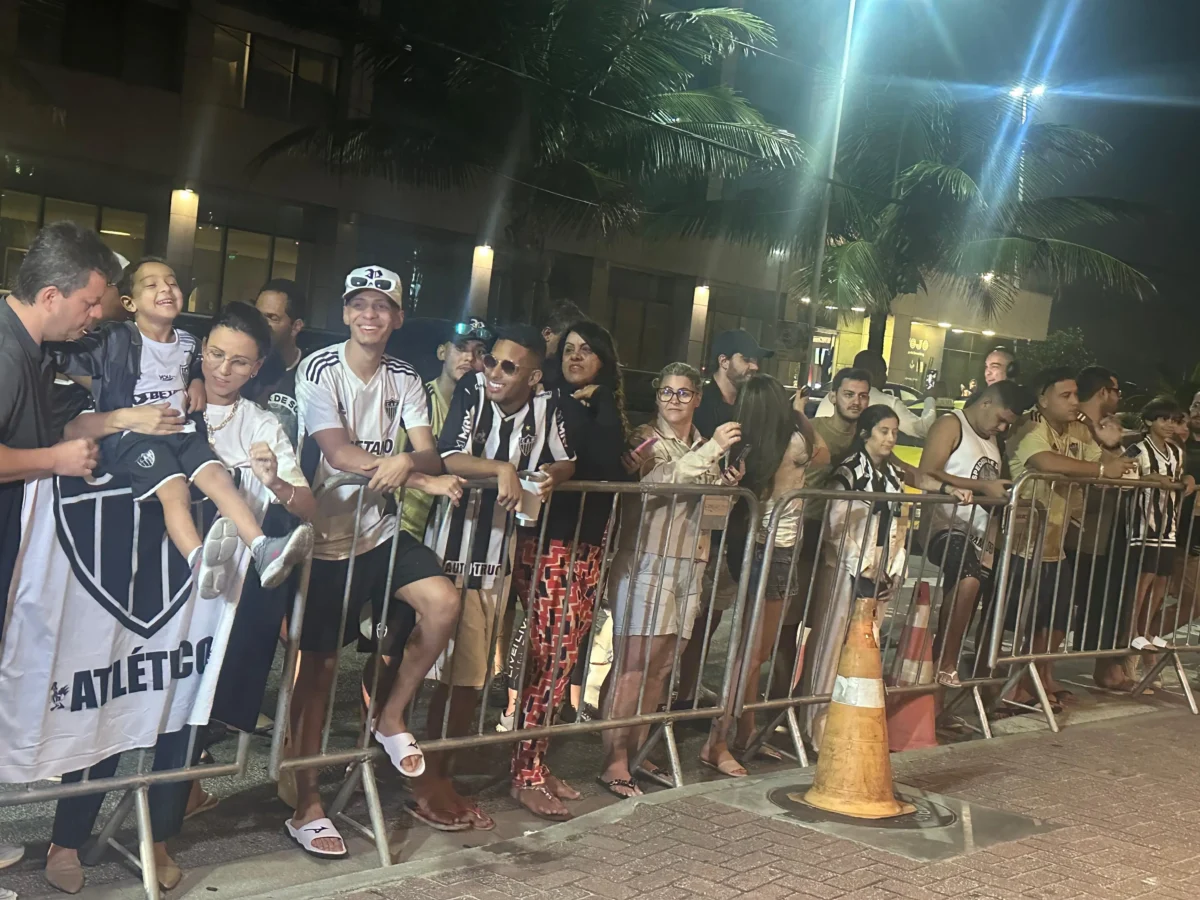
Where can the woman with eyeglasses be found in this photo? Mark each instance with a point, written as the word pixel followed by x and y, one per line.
pixel 249 440
pixel 660 559
pixel 586 374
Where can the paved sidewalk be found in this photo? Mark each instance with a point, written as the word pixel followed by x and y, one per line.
pixel 1122 797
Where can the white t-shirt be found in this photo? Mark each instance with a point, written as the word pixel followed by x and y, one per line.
pixel 251 424
pixel 164 375
pixel 330 396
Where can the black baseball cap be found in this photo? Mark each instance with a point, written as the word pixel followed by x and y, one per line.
pixel 740 341
pixel 472 329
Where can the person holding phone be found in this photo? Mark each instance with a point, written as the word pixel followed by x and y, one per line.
pixel 585 373
pixel 661 556
pixel 775 464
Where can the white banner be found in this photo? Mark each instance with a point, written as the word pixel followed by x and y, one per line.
pixel 106 644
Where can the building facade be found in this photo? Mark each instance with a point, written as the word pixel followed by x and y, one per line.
pixel 154 111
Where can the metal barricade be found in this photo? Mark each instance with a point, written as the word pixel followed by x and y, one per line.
pixel 632 516
pixel 136 785
pixel 1081 577
pixel 800 611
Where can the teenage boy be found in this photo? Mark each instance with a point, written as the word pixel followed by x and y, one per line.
pixel 1155 516
pixel 460 354
pixel 352 398
pixel 146 362
pixel 282 303
pixel 497 426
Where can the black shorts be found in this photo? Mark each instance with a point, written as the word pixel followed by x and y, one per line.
pixel 152 460
pixel 1152 560
pixel 327 584
pixel 1049 592
pixel 958 558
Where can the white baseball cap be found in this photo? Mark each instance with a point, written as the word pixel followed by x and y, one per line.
pixel 376 278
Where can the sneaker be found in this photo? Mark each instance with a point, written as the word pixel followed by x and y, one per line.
pixel 10 855
pixel 214 569
pixel 588 713
pixel 275 557
pixel 508 721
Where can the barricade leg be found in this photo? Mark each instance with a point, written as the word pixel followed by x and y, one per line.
pixel 379 829
pixel 96 849
pixel 1036 677
pixel 146 843
pixel 1181 674
pixel 981 709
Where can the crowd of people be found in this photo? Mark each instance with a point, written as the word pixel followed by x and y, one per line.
pixel 534 409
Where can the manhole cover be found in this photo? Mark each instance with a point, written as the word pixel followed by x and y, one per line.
pixel 928 814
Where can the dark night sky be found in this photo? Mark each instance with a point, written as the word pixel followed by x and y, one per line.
pixel 1127 70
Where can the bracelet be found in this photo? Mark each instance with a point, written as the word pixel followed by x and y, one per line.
pixel 292 496
pixel 942 488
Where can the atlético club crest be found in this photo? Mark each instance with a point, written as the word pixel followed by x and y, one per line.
pixel 142 589
pixel 390 406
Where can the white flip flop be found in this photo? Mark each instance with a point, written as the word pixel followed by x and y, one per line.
pixel 400 747
pixel 311 831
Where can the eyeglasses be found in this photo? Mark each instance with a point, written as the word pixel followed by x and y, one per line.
pixel 685 395
pixel 238 364
pixel 361 281
pixel 507 366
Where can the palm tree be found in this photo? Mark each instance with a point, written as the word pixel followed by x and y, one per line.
pixel 932 190
pixel 573 112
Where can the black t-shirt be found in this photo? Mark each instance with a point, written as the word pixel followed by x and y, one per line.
pixel 275 389
pixel 595 433
pixel 713 411
pixel 26 423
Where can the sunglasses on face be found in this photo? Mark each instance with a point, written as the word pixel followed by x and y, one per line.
pixel 507 366
pixel 685 395
pixel 382 284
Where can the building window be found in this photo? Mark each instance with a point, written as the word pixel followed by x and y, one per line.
pixel 231 265
pixel 137 41
pixel 271 77
pixel 124 232
pixel 19 215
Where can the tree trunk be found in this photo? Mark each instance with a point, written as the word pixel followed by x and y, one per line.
pixel 878 326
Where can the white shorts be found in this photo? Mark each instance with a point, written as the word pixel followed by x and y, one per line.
pixel 654 595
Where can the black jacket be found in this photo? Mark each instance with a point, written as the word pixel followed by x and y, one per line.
pixel 112 357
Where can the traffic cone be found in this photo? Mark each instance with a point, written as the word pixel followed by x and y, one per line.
pixel 854 772
pixel 911 718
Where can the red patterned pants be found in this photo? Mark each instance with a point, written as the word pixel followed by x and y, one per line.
pixel 556 626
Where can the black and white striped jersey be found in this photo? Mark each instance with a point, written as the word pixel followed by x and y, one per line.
pixel 471 537
pixel 1155 517
pixel 330 395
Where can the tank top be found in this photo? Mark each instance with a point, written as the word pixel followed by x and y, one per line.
pixel 975 458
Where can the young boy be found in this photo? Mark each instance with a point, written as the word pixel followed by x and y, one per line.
pixel 148 361
pixel 1155 515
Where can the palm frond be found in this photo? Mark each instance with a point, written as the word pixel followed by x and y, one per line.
pixel 1062 262
pixel 854 275
pixel 1053 216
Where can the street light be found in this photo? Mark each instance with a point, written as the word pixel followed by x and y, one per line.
pixel 1024 94
pixel 827 186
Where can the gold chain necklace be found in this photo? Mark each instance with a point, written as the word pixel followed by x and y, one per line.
pixel 212 430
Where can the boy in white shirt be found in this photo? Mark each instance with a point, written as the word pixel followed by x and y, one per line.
pixel 148 361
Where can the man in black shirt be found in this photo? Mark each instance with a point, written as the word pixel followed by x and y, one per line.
pixel 736 355
pixel 282 303
pixel 58 293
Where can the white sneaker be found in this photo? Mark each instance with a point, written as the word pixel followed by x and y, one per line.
pixel 6 894
pixel 214 570
pixel 10 855
pixel 508 721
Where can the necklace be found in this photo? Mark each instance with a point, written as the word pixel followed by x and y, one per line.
pixel 213 429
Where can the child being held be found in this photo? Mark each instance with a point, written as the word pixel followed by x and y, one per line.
pixel 148 361
pixel 1154 520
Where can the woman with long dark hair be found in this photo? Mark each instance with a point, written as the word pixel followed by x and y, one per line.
pixel 865 553
pixel 587 373
pixel 778 443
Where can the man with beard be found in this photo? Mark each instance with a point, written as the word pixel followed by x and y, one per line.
pixel 736 357
pixel 872 363
pixel 282 303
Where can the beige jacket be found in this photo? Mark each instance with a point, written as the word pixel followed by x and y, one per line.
pixel 696 461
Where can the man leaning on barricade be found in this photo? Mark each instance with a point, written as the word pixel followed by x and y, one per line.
pixel 1038 599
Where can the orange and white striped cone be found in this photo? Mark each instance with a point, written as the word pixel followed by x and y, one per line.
pixel 912 718
pixel 854 772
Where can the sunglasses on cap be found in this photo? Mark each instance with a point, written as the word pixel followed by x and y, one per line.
pixel 361 281
pixel 507 366
pixel 473 330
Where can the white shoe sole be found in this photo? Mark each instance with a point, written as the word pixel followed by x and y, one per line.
pixel 298 547
pixel 220 546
